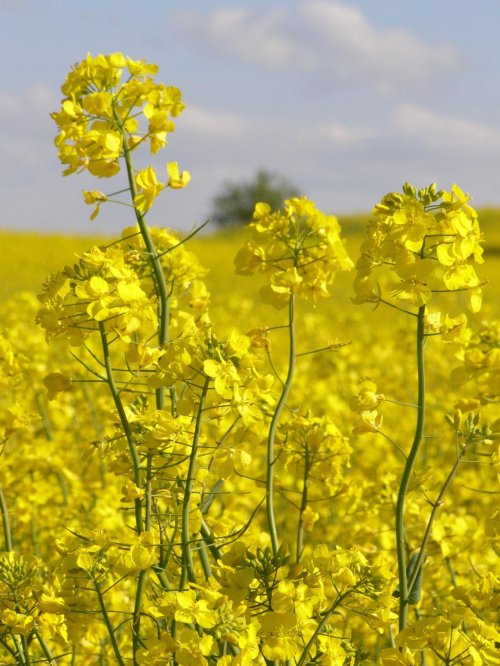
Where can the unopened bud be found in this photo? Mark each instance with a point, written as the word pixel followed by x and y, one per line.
pixel 449 420
pixel 457 420
pixel 296 570
pixel 283 549
pixel 409 190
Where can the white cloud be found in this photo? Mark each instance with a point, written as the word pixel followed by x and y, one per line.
pixel 256 37
pixel 341 165
pixel 451 133
pixel 332 40
pixel 345 166
pixel 220 123
pixel 344 135
pixel 26 114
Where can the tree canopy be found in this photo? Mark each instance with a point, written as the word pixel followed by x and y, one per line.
pixel 235 204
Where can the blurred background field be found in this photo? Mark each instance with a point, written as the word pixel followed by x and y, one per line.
pixel 28 258
pixel 380 342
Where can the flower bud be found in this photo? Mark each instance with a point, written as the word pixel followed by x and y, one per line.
pixel 296 570
pixel 449 420
pixel 409 190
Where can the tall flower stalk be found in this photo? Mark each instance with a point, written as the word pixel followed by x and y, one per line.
pixel 425 244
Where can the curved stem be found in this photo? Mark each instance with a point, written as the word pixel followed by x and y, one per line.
pixel 410 463
pixel 161 284
pixel 45 649
pixel 274 423
pixel 437 504
pixel 187 559
pixel 107 622
pixel 320 626
pixel 126 426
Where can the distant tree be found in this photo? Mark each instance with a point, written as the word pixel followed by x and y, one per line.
pixel 235 204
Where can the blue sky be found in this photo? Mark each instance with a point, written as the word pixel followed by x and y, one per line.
pixel 347 99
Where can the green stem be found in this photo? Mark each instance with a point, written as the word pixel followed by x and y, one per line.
pixel 437 504
pixel 187 559
pixel 24 654
pixel 136 621
pixel 303 506
pixel 45 417
pixel 205 562
pixel 274 423
pixel 6 523
pixel 45 649
pixel 405 480
pixel 454 582
pixel 320 626
pixel 137 480
pixel 148 491
pixel 98 430
pixel 107 622
pixel 208 539
pixel 26 651
pixel 161 284
pixel 126 426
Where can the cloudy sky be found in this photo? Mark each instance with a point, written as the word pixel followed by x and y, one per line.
pixel 347 99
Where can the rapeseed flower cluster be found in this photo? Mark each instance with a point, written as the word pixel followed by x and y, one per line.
pixel 423 243
pixel 177 490
pixel 300 249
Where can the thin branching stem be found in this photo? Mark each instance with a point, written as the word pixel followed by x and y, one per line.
pixel 125 425
pixel 274 424
pixel 405 480
pixel 187 559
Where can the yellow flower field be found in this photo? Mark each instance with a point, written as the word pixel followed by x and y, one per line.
pixel 274 446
